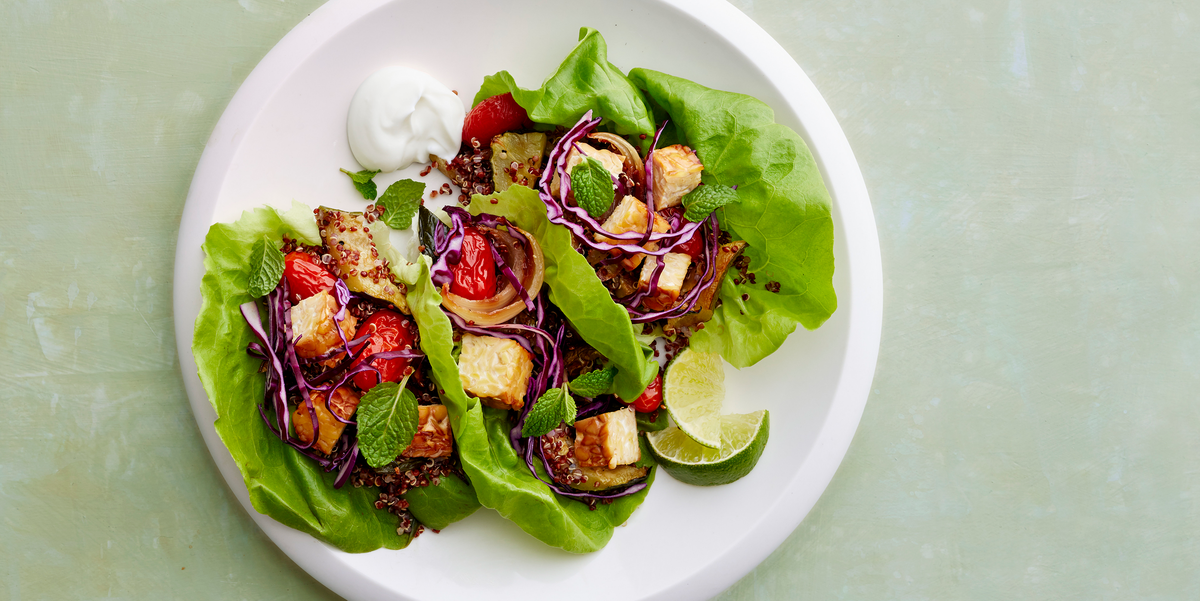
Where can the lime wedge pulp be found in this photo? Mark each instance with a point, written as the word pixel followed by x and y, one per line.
pixel 693 391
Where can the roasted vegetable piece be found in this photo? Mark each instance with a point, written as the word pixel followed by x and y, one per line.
pixel 495 369
pixel 314 328
pixel 305 276
pixel 607 440
pixel 344 403
pixel 475 273
pixel 602 478
pixel 348 237
pixel 493 116
pixel 514 157
pixel 704 305
pixel 427 228
pixel 388 331
pixel 433 433
pixel 651 397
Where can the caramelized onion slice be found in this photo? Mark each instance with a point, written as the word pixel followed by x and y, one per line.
pixel 633 161
pixel 527 264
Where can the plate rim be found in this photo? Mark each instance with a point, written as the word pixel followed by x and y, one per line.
pixel 852 211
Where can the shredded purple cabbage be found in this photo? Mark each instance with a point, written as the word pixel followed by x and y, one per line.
pixel 276 345
pixel 557 207
pixel 681 232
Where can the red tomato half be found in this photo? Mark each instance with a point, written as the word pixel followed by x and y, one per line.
pixel 494 116
pixel 305 276
pixel 692 247
pixel 651 397
pixel 389 331
pixel 475 273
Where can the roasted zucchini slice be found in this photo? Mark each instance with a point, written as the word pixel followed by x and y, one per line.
pixel 515 157
pixel 602 478
pixel 357 261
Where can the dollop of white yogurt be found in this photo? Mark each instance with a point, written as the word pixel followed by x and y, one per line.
pixel 400 116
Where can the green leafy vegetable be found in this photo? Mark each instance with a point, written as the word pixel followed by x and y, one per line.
pixel 400 202
pixel 701 202
pixel 576 291
pixel 645 424
pixel 266 268
pixel 554 407
pixel 281 483
pixel 783 215
pixel 584 81
pixel 594 383
pixel 593 187
pixel 387 421
pixel 364 182
pixel 438 505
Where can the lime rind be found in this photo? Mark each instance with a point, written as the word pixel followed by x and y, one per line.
pixel 743 438
pixel 694 391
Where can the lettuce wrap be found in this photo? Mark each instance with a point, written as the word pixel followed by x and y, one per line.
pixel 784 212
pixel 501 478
pixel 281 482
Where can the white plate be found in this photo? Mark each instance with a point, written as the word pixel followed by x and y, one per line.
pixel 283 137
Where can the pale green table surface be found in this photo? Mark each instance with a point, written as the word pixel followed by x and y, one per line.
pixel 1033 430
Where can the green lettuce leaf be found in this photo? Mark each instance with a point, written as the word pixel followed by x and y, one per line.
pixel 783 215
pixel 501 479
pixel 439 505
pixel 282 484
pixel 576 291
pixel 584 81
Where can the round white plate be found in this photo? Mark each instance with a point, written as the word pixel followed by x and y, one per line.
pixel 283 138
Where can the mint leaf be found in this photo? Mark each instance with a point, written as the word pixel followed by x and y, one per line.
pixel 266 267
pixel 702 201
pixel 363 182
pixel 568 407
pixel 387 422
pixel 551 409
pixel 400 202
pixel 594 383
pixel 593 187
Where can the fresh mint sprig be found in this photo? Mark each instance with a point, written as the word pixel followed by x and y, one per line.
pixel 400 202
pixel 593 187
pixel 701 202
pixel 364 183
pixel 387 421
pixel 554 407
pixel 594 383
pixel 266 268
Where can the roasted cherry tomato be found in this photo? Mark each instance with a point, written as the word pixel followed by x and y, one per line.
pixel 475 273
pixel 651 397
pixel 494 116
pixel 692 247
pixel 390 331
pixel 305 276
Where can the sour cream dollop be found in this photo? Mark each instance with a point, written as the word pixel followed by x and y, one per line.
pixel 400 116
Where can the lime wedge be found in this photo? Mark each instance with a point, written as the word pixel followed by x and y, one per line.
pixel 693 390
pixel 743 438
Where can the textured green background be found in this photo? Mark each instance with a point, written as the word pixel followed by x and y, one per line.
pixel 1032 433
